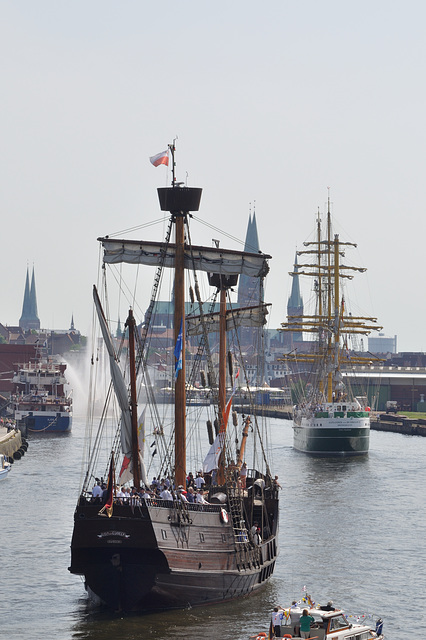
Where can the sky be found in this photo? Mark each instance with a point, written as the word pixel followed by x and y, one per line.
pixel 275 106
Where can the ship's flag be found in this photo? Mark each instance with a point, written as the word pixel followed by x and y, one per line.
pixel 125 473
pixel 110 490
pixel 225 416
pixel 160 158
pixel 178 351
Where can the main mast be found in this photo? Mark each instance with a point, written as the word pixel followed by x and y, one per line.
pixel 179 201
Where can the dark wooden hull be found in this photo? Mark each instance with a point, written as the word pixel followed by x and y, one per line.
pixel 156 557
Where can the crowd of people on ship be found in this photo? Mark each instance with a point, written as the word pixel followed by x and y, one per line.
pixel 194 492
pixel 159 489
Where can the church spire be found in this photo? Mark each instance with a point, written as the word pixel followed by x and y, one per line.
pixel 33 300
pixel 295 300
pixel 294 308
pixel 29 318
pixel 249 292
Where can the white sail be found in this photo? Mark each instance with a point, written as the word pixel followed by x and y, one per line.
pixel 211 460
pixel 211 260
pixel 117 380
pixel 245 317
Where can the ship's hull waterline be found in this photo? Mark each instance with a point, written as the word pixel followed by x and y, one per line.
pixel 151 558
pixel 48 422
pixel 345 437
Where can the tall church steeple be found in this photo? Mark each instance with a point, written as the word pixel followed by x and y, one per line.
pixel 294 308
pixel 249 292
pixel 29 318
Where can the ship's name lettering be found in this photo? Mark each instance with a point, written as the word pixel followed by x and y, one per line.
pixel 106 534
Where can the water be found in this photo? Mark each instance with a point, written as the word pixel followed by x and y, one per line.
pixel 351 530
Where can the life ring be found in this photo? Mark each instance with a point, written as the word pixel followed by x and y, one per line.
pixel 261 635
pixel 224 516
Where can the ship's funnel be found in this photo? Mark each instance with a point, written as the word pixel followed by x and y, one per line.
pixel 179 198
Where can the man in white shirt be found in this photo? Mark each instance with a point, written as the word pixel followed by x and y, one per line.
pixel 166 495
pixel 97 492
pixel 199 498
pixel 199 480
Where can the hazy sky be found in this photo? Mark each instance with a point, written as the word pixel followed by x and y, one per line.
pixel 272 102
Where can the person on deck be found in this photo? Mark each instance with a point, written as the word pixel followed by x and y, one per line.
pixel 243 475
pixel 190 496
pixel 165 494
pixel 305 624
pixel 97 492
pixel 181 494
pixel 277 618
pixel 199 480
pixel 199 498
pixel 294 618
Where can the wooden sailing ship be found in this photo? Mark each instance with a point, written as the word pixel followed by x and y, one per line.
pixel 152 554
pixel 329 418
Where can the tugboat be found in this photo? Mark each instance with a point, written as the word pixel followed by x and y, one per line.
pixel 155 551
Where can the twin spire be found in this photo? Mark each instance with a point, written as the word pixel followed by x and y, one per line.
pixel 29 319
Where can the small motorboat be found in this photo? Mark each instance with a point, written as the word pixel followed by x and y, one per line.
pixel 5 467
pixel 328 623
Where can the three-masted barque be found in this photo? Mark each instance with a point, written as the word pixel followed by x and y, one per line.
pixel 147 553
pixel 329 418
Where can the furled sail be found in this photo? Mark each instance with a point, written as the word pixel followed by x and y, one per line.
pixel 245 317
pixel 117 380
pixel 212 260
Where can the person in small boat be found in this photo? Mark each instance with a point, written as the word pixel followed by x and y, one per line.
pixel 294 618
pixel 277 618
pixel 305 624
pixel 328 606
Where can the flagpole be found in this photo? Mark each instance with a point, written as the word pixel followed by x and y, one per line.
pixel 172 153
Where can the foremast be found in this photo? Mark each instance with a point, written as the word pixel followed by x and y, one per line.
pixel 330 322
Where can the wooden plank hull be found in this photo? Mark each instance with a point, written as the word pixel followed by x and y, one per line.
pixel 146 559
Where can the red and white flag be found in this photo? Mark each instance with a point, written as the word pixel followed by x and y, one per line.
pixel 160 158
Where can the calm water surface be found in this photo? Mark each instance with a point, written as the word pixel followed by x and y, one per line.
pixel 351 530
